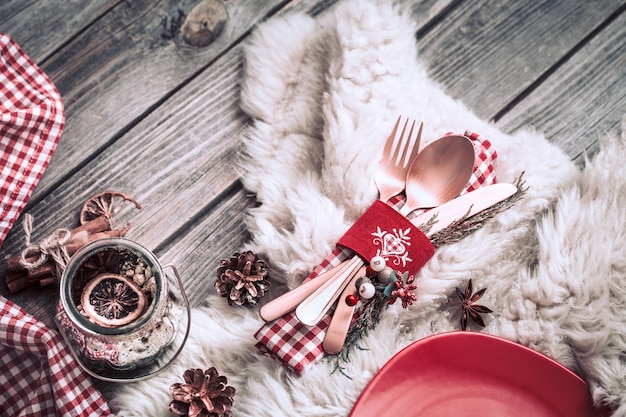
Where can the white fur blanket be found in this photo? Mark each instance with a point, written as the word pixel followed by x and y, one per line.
pixel 322 94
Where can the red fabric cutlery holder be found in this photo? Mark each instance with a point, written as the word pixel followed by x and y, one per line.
pixel 383 231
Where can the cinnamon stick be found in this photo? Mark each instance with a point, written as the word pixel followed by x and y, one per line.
pixel 48 281
pixel 44 271
pixel 19 278
pixel 97 225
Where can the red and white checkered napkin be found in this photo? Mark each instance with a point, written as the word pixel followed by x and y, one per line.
pixel 31 122
pixel 297 345
pixel 38 375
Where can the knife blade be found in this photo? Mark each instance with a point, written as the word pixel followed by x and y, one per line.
pixel 466 205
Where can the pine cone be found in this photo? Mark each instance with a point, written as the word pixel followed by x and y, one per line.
pixel 241 278
pixel 204 394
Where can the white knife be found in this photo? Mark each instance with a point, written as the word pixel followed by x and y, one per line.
pixel 466 205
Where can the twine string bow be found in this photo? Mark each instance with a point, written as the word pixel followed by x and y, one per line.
pixel 54 246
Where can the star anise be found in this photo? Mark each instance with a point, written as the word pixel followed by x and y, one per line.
pixel 203 394
pixel 469 308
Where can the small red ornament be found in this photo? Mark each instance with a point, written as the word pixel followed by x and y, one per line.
pixel 351 300
pixel 369 272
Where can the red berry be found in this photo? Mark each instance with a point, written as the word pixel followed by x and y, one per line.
pixel 351 300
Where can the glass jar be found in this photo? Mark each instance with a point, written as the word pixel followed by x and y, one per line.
pixel 133 350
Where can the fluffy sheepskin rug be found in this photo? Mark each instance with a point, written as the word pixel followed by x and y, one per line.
pixel 323 94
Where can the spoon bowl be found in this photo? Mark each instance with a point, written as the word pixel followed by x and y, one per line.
pixel 439 173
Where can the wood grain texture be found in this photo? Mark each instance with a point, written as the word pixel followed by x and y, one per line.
pixel 125 65
pixel 489 52
pixel 193 136
pixel 583 99
pixel 215 235
pixel 42 27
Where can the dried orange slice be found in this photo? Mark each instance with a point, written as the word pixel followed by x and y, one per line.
pixel 105 204
pixel 112 300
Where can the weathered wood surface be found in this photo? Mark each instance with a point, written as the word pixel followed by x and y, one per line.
pixel 584 98
pixel 135 47
pixel 42 27
pixel 158 120
pixel 557 66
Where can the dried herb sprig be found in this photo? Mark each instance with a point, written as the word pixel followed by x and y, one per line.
pixel 467 225
pixel 367 317
pixel 401 288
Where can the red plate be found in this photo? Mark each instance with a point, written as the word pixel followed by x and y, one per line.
pixel 473 374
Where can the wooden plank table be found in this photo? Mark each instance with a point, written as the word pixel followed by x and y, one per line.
pixel 151 116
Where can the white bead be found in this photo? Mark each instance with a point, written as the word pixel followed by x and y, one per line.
pixel 378 263
pixel 367 290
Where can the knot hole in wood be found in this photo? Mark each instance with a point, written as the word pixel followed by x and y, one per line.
pixel 204 23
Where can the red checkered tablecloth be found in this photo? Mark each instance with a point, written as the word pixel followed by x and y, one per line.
pixel 31 122
pixel 297 345
pixel 38 375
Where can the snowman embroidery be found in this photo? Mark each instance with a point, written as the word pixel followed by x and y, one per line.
pixel 393 245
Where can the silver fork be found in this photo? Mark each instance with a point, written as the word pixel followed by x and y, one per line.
pixel 390 179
